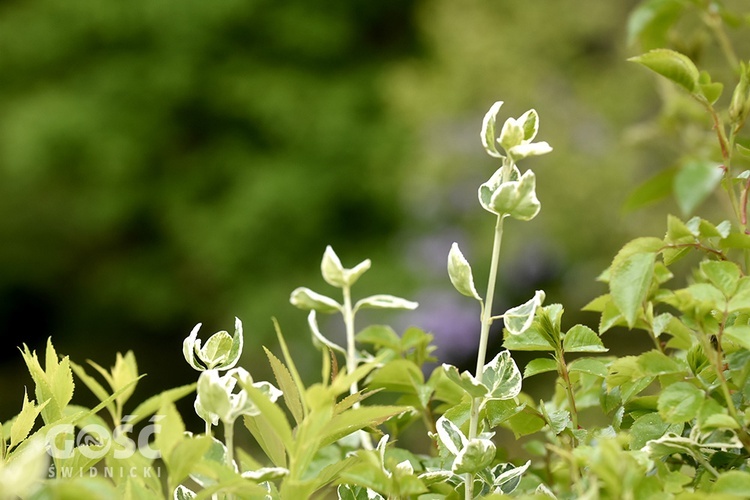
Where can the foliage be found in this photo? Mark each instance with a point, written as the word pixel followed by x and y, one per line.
pixel 671 421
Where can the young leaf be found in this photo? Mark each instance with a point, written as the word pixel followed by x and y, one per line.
pixel 24 422
pixel 287 385
pixel 304 298
pixel 488 130
pixel 465 381
pixel 671 65
pixel 331 268
pixel 516 198
pixel 385 302
pixel 460 273
pixel 629 284
pixel 518 319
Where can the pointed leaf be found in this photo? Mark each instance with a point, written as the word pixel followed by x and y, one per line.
pixel 502 377
pixel 629 284
pixel 331 268
pixel 287 385
pixel 450 435
pixel 304 298
pixel 460 273
pixel 694 182
pixel 488 134
pixel 671 65
pixel 680 402
pixel 385 302
pixel 539 365
pixel 581 338
pixel 518 319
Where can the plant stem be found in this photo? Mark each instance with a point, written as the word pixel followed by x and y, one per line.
pixel 483 341
pixel 229 442
pixel 351 356
pixel 562 369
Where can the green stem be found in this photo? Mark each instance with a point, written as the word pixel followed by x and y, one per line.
pixel 562 369
pixel 483 341
pixel 351 356
pixel 229 442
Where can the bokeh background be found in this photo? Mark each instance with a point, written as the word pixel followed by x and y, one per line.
pixel 169 162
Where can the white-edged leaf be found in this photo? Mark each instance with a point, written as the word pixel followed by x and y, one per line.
pixel 304 298
pixel 460 273
pixel 450 435
pixel 385 302
pixel 331 268
pixel 488 130
pixel 502 377
pixel 475 456
pixel 518 319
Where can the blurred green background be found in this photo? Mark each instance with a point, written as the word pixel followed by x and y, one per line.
pixel 165 162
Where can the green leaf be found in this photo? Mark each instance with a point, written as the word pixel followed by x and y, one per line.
pixel 459 272
pixel 539 365
pixel 647 427
pixel 733 482
pixel 152 404
pixel 171 430
pixel 531 340
pixel 184 457
pixel 654 362
pixel 475 456
pixel 270 412
pixel 24 422
pixel 502 377
pixel 380 336
pixel 724 275
pixel 652 190
pixel 581 338
pixel 589 365
pixel 738 334
pixel 287 385
pixel 712 91
pixel 680 402
pixel 651 20
pixel 629 283
pixel 671 65
pixel 694 182
pixel 355 419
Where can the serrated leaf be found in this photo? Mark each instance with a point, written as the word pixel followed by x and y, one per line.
pixel 539 365
pixel 287 385
pixel 531 340
pixel 24 422
pixel 581 338
pixel 629 284
pixel 589 365
pixel 459 272
pixel 680 402
pixel 671 65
